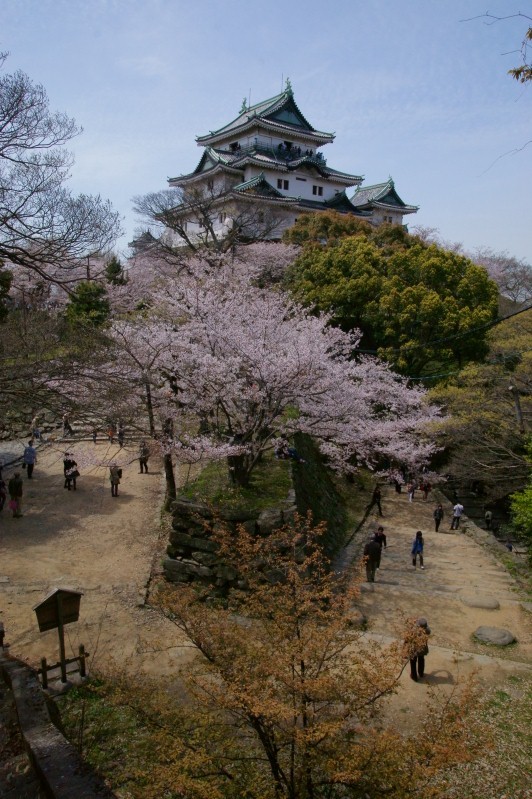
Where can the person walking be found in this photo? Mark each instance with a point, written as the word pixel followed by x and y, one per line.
pixel 144 454
pixel 417 549
pixel 426 488
pixel 380 538
pixel 411 490
pixel 67 427
pixel 488 518
pixel 35 430
pixel 29 458
pixel 418 648
pixel 457 515
pixel 70 471
pixel 376 500
pixel 372 555
pixel 15 488
pixel 121 435
pixel 114 478
pixel 438 516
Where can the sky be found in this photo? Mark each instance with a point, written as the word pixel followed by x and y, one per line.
pixel 415 89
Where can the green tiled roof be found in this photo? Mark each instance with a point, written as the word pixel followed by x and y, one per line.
pixel 280 109
pixel 259 185
pixel 209 154
pixel 383 194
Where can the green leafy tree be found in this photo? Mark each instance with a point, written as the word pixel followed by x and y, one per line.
pixel 114 272
pixel 521 505
pixel 88 305
pixel 423 308
pixel 488 409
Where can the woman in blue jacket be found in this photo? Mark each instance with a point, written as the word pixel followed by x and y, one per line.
pixel 417 549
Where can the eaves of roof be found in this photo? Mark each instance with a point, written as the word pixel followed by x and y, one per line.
pixel 404 208
pixel 197 177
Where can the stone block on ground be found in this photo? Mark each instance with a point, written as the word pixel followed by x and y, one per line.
pixel 485 602
pixel 494 635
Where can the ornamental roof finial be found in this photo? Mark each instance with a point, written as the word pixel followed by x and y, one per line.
pixel 288 88
pixel 244 106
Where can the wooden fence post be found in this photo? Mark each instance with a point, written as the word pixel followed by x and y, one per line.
pixel 44 671
pixel 82 667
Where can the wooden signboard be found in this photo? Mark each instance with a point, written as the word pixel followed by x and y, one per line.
pixel 60 607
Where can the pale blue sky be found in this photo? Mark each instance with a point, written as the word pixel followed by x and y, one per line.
pixel 410 89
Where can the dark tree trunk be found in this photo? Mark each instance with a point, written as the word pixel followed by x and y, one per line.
pixel 240 467
pixel 171 491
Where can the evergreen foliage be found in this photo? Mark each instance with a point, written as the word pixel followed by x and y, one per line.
pixel 422 308
pixel 114 272
pixel 88 305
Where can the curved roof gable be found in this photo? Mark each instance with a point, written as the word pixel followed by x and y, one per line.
pixel 281 109
pixel 383 194
pixel 258 185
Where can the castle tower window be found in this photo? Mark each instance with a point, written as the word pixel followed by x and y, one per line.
pixel 283 184
pixel 317 190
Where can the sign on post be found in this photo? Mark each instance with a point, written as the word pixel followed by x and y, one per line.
pixel 59 607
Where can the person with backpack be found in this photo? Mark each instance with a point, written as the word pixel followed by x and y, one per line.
pixel 417 549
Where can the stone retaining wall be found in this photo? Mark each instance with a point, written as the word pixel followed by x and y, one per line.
pixel 192 554
pixel 58 765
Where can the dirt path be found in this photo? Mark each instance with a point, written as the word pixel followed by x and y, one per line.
pixel 105 547
pixel 458 569
pixel 91 542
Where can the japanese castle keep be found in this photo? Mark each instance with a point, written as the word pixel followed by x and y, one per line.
pixel 265 168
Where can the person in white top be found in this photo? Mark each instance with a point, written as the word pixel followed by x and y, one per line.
pixel 457 513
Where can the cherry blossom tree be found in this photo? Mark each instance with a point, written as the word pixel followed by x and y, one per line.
pixel 219 365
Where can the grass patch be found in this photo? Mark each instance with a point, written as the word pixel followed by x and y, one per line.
pixel 107 735
pixel 270 484
pixel 504 771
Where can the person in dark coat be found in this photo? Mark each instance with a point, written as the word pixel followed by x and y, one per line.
pixel 16 489
pixel 372 554
pixel 418 649
pixel 438 516
pixel 70 471
pixel 376 499
pixel 144 454
pixel 380 538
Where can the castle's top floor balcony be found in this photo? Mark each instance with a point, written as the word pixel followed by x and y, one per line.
pixel 280 152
